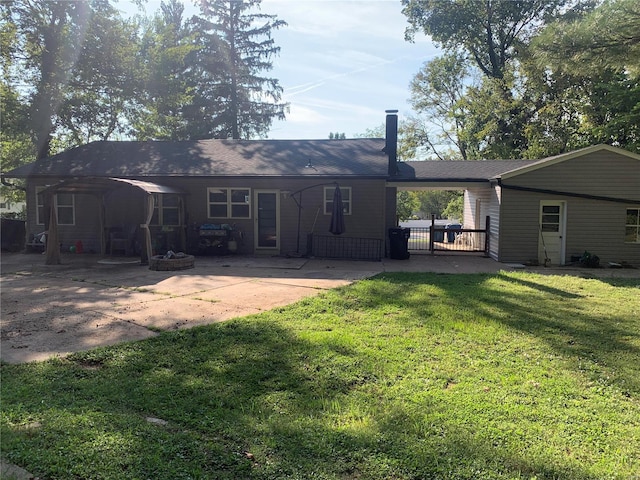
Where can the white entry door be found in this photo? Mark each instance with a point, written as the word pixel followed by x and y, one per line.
pixel 551 239
pixel 267 220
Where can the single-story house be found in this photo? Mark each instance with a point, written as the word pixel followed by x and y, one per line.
pixel 261 196
pixel 277 197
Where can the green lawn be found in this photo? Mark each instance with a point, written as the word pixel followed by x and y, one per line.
pixel 404 376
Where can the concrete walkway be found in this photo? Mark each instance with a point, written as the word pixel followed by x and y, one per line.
pixel 86 302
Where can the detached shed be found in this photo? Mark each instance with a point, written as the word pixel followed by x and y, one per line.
pixel 556 209
pixel 545 211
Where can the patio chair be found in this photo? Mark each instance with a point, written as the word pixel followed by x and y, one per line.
pixel 121 240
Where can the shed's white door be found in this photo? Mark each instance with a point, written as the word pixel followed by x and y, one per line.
pixel 551 239
pixel 267 219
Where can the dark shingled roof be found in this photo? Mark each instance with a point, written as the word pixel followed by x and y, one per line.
pixel 456 171
pixel 354 157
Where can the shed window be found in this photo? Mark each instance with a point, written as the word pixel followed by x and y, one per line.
pixel 632 228
pixel 328 199
pixel 229 202
pixel 550 218
pixel 65 208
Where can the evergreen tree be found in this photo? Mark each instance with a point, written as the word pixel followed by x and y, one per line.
pixel 238 48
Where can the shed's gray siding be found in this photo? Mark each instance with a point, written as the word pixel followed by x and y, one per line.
pixel 602 173
pixel 597 226
pixel 518 238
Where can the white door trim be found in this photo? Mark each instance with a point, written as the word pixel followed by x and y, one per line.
pixel 552 232
pixel 261 248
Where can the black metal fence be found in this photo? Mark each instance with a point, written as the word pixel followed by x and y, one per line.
pixel 449 238
pixel 337 246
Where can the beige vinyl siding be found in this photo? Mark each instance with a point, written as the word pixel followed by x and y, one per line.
pixel 494 211
pixel 486 198
pixel 367 219
pixel 601 173
pixel 471 196
pixel 593 225
pixel 87 220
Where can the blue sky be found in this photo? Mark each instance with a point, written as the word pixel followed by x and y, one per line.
pixel 341 64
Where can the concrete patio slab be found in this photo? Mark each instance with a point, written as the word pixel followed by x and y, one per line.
pixel 52 310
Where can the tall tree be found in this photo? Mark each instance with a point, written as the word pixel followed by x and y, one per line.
pixel 99 96
pixel 167 63
pixel 494 122
pixel 16 146
pixel 243 42
pixel 436 94
pixel 606 37
pixel 50 35
pixel 556 103
pixel 495 35
pixel 600 52
pixel 70 60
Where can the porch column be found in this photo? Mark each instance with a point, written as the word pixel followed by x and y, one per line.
pixel 146 254
pixel 53 247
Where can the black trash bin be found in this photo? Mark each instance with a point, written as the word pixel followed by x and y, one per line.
pixel 451 235
pixel 399 243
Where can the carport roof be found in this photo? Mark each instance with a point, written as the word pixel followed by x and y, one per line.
pixel 457 172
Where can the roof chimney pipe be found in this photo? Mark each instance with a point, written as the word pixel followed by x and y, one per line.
pixel 391 140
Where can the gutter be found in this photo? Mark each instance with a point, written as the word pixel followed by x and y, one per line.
pixel 568 194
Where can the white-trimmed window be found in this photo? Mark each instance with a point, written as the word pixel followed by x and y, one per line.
pixel 65 207
pixel 39 206
pixel 328 199
pixel 632 227
pixel 229 202
pixel 167 210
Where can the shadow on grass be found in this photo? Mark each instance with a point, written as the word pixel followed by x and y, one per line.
pixel 596 335
pixel 559 315
pixel 256 398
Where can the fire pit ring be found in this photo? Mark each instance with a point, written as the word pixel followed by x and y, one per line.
pixel 158 262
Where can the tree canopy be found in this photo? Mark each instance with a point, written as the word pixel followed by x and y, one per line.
pixel 82 72
pixel 526 79
pixel 491 31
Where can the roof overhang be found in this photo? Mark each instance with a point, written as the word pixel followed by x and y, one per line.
pixel 101 185
pixel 440 184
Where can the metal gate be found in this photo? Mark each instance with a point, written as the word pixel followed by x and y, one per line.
pixel 450 238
